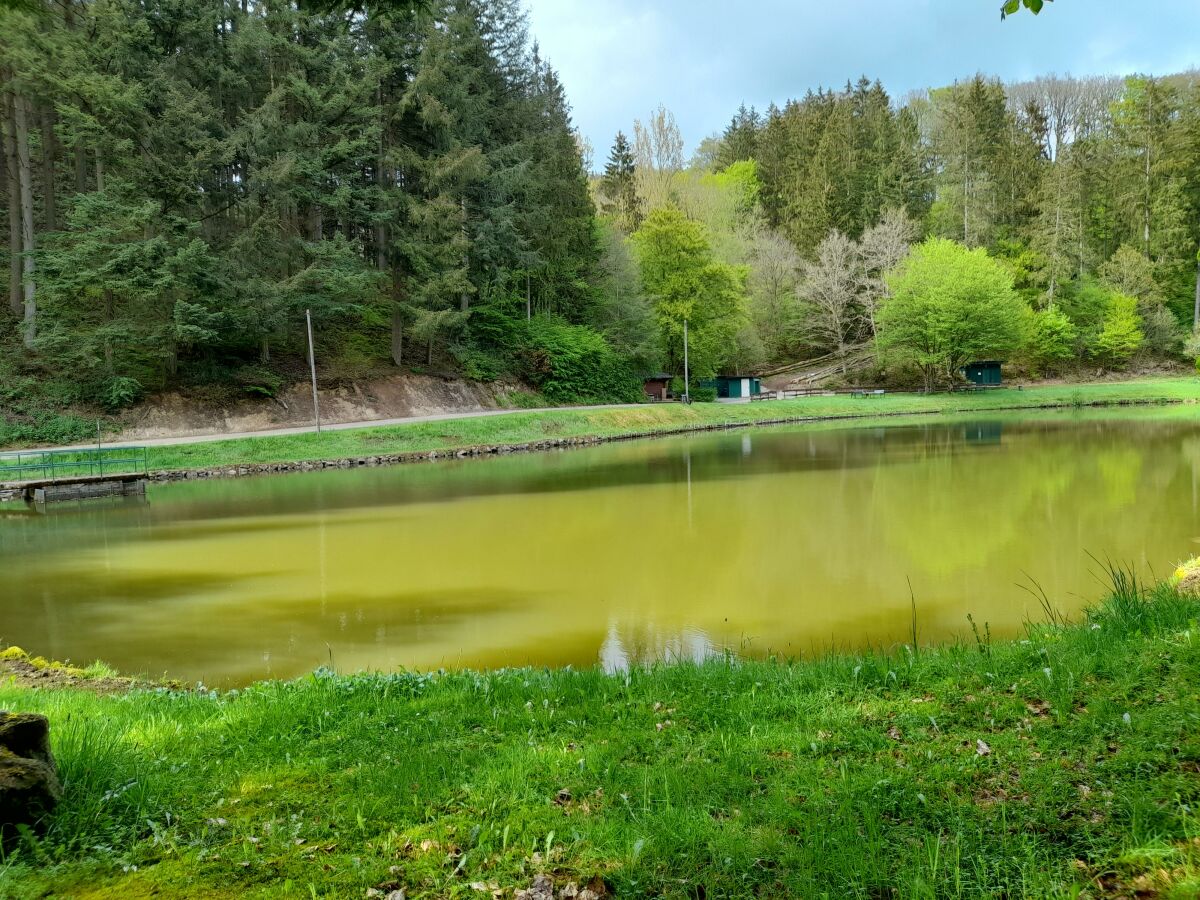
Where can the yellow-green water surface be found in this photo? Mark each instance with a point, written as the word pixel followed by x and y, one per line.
pixel 786 541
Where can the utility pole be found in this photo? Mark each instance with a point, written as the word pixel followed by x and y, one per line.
pixel 687 380
pixel 312 368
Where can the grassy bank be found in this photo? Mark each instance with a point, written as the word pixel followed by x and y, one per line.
pixel 1063 764
pixel 529 427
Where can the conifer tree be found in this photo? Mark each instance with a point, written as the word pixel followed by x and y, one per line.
pixel 619 186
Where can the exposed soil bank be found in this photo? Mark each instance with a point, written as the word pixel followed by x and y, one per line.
pixel 397 396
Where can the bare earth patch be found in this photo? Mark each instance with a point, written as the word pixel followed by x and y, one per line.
pixel 17 668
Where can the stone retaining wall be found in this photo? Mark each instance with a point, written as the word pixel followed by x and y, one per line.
pixel 392 459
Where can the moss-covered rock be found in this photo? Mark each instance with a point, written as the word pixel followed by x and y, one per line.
pixel 29 786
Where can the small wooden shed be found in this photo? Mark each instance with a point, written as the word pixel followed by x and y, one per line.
pixel 986 373
pixel 657 387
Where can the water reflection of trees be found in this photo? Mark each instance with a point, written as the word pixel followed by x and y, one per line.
pixel 643 643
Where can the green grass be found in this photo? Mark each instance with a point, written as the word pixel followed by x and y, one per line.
pixel 527 427
pixel 1062 764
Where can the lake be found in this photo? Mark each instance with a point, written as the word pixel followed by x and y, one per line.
pixel 787 541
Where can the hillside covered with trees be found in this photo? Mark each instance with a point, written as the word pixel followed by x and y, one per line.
pixel 1080 196
pixel 183 181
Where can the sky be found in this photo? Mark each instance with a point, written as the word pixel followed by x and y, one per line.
pixel 619 59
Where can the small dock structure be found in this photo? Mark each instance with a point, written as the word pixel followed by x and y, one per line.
pixel 49 476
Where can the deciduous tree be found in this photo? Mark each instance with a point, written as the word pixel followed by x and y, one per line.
pixel 950 305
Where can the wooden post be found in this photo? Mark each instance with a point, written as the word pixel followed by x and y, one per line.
pixel 312 368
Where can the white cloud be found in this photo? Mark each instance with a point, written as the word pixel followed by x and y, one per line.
pixel 621 58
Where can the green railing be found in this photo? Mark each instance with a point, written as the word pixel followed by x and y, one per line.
pixel 53 465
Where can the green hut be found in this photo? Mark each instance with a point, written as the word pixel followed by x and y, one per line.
pixel 734 387
pixel 987 373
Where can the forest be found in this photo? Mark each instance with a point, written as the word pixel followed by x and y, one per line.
pixel 184 181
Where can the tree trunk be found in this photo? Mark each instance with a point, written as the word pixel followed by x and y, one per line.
pixel 264 353
pixel 465 298
pixel 110 313
pixel 99 173
pixel 397 336
pixel 15 301
pixel 80 169
pixel 1149 192
pixel 1196 314
pixel 966 201
pixel 25 177
pixel 1057 226
pixel 381 185
pixel 49 152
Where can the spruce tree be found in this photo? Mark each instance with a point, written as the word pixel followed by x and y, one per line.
pixel 619 186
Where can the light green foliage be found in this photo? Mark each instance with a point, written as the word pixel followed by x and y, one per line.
pixel 684 282
pixel 1052 339
pixel 726 205
pixel 1086 303
pixel 950 306
pixel 1012 6
pixel 1121 335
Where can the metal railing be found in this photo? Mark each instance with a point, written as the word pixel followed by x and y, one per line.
pixel 53 465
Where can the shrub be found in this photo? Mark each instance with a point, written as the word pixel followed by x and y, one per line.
pixel 35 406
pixel 1052 338
pixel 704 395
pixel 574 364
pixel 259 381
pixel 1163 334
pixel 46 428
pixel 1122 335
pixel 477 365
pixel 119 392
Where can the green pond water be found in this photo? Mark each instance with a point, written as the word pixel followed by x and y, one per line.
pixel 785 540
